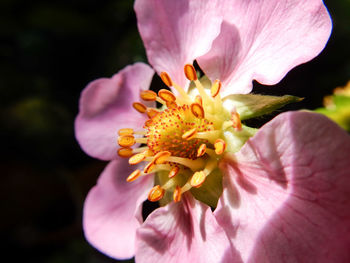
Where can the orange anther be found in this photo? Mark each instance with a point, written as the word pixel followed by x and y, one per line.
pixel 166 79
pixel 148 123
pixel 197 110
pixel 139 107
pixel 126 140
pixel 198 179
pixel 125 152
pixel 149 167
pixel 177 194
pixel 189 134
pixel 215 89
pixel 148 95
pixel 151 112
pixel 133 176
pixel 126 131
pixel 174 171
pixel 137 158
pixel 156 193
pixel 201 150
pixel 199 100
pixel 220 146
pixel 166 95
pixel 171 104
pixel 161 157
pixel 236 120
pixel 190 72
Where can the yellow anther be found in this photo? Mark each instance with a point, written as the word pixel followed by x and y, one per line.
pixel 189 134
pixel 177 194
pixel 215 89
pixel 197 110
pixel 137 158
pixel 151 112
pixel 126 140
pixel 148 95
pixel 174 171
pixel 149 167
pixel 156 193
pixel 236 121
pixel 125 152
pixel 166 95
pixel 166 79
pixel 126 131
pixel 139 107
pixel 201 150
pixel 133 176
pixel 198 179
pixel 220 146
pixel 199 100
pixel 161 157
pixel 190 72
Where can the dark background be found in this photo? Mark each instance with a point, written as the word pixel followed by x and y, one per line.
pixel 49 51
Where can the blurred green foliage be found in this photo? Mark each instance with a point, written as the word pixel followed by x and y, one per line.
pixel 49 51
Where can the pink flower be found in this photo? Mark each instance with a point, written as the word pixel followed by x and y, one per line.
pixel 295 164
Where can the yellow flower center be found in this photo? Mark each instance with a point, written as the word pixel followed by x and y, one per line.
pixel 184 139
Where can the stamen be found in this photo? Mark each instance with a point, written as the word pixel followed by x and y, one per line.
pixel 199 100
pixel 149 167
pixel 137 158
pixel 161 157
pixel 236 121
pixel 174 171
pixel 171 104
pixel 211 136
pixel 201 150
pixel 194 165
pixel 125 152
pixel 177 194
pixel 133 176
pixel 126 131
pixel 148 95
pixel 166 95
pixel 220 146
pixel 197 110
pixel 188 135
pixel 151 112
pixel 198 179
pixel 139 107
pixel 190 72
pixel 141 140
pixel 166 79
pixel 126 140
pixel 215 89
pixel 156 193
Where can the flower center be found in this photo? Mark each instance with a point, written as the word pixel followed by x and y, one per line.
pixel 182 141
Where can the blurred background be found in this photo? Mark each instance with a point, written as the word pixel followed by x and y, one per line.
pixel 49 51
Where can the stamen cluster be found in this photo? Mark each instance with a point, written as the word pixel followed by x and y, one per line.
pixel 184 137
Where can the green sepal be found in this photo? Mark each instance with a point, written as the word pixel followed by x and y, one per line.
pixel 339 111
pixel 211 190
pixel 236 139
pixel 252 105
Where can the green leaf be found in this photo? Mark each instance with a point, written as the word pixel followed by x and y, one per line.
pixel 338 111
pixel 253 105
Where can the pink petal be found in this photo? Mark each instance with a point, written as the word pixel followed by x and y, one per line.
pixel 106 107
pixel 112 210
pixel 263 40
pixel 182 232
pixel 177 32
pixel 287 194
